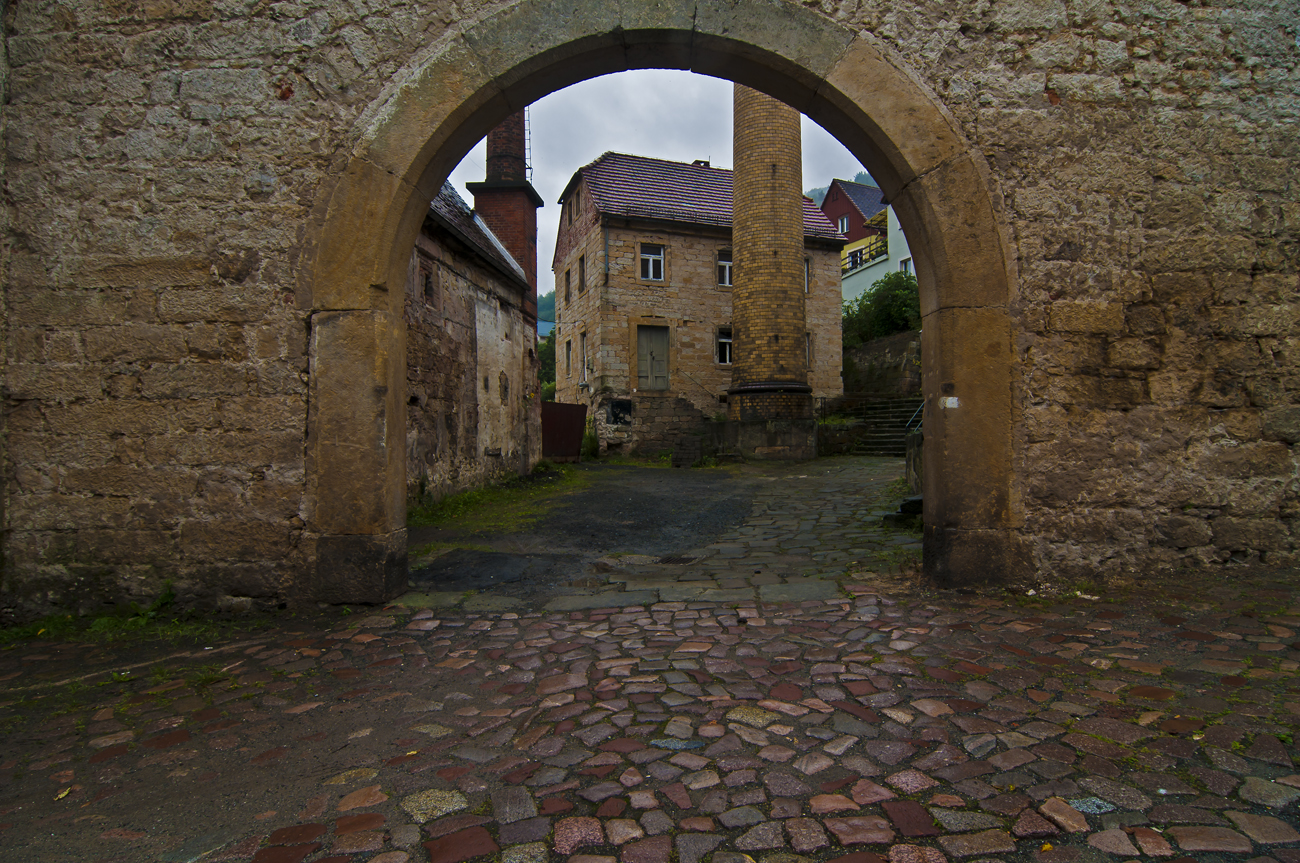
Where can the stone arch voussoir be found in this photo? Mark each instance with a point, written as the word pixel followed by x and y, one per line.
pixel 450 95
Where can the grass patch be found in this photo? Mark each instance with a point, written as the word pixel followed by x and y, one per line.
pixel 898 488
pixel 157 621
pixel 508 506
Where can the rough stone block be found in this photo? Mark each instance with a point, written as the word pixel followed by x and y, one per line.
pixel 235 540
pixel 370 569
pixel 232 304
pixel 1252 534
pixel 115 271
pixel 1283 423
pixel 1180 531
pixel 36 381
pixel 1087 317
pixel 135 342
pixel 193 380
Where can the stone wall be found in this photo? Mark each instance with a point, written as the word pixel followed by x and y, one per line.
pixel 654 425
pixel 890 365
pixel 169 167
pixel 472 394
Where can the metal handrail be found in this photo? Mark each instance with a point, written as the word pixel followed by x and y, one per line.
pixel 919 408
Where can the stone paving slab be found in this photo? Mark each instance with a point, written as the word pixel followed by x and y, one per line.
pixel 855 727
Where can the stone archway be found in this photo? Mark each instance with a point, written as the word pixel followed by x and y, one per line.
pixel 447 98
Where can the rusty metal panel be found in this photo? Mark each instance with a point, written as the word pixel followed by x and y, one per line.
pixel 562 428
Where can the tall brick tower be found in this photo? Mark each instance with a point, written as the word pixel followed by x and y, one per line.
pixel 769 373
pixel 508 202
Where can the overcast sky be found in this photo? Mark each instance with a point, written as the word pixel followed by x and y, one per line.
pixel 666 114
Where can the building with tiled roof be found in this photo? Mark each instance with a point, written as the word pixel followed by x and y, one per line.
pixel 643 281
pixel 876 243
pixel 471 360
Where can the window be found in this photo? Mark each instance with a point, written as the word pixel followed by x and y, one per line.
pixel 582 357
pixel 652 358
pixel 428 285
pixel 844 224
pixel 582 273
pixel 905 265
pixel 807 341
pixel 652 262
pixel 568 358
pixel 568 294
pixel 807 274
pixel 724 345
pixel 724 267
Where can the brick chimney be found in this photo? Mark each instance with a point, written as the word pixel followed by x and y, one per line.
pixel 508 203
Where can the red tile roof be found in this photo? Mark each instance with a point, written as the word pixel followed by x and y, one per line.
pixel 644 188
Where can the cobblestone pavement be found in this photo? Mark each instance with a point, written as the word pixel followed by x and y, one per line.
pixel 809 524
pixel 857 727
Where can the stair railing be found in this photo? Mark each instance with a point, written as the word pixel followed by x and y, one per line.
pixel 907 428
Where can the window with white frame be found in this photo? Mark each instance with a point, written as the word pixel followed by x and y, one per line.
pixel 844 224
pixel 724 346
pixel 724 267
pixel 652 262
pixel 905 265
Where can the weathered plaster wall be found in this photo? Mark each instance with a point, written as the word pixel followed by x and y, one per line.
pixel 465 325
pixel 166 166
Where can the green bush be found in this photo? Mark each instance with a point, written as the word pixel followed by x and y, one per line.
pixel 891 305
pixel 590 443
pixel 548 391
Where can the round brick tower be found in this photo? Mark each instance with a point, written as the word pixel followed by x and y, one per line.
pixel 769 372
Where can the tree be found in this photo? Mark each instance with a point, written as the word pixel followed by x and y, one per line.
pixel 890 305
pixel 546 307
pixel 546 357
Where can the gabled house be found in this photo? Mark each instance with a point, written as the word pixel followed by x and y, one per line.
pixel 876 244
pixel 643 281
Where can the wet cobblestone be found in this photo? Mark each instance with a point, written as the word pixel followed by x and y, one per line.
pixel 848 725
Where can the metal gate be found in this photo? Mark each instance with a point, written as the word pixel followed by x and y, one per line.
pixel 562 428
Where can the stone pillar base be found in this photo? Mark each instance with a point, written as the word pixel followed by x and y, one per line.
pixel 762 402
pixel 958 558
pixel 786 440
pixel 359 568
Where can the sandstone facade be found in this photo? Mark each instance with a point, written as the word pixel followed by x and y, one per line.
pixel 602 302
pixel 211 213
